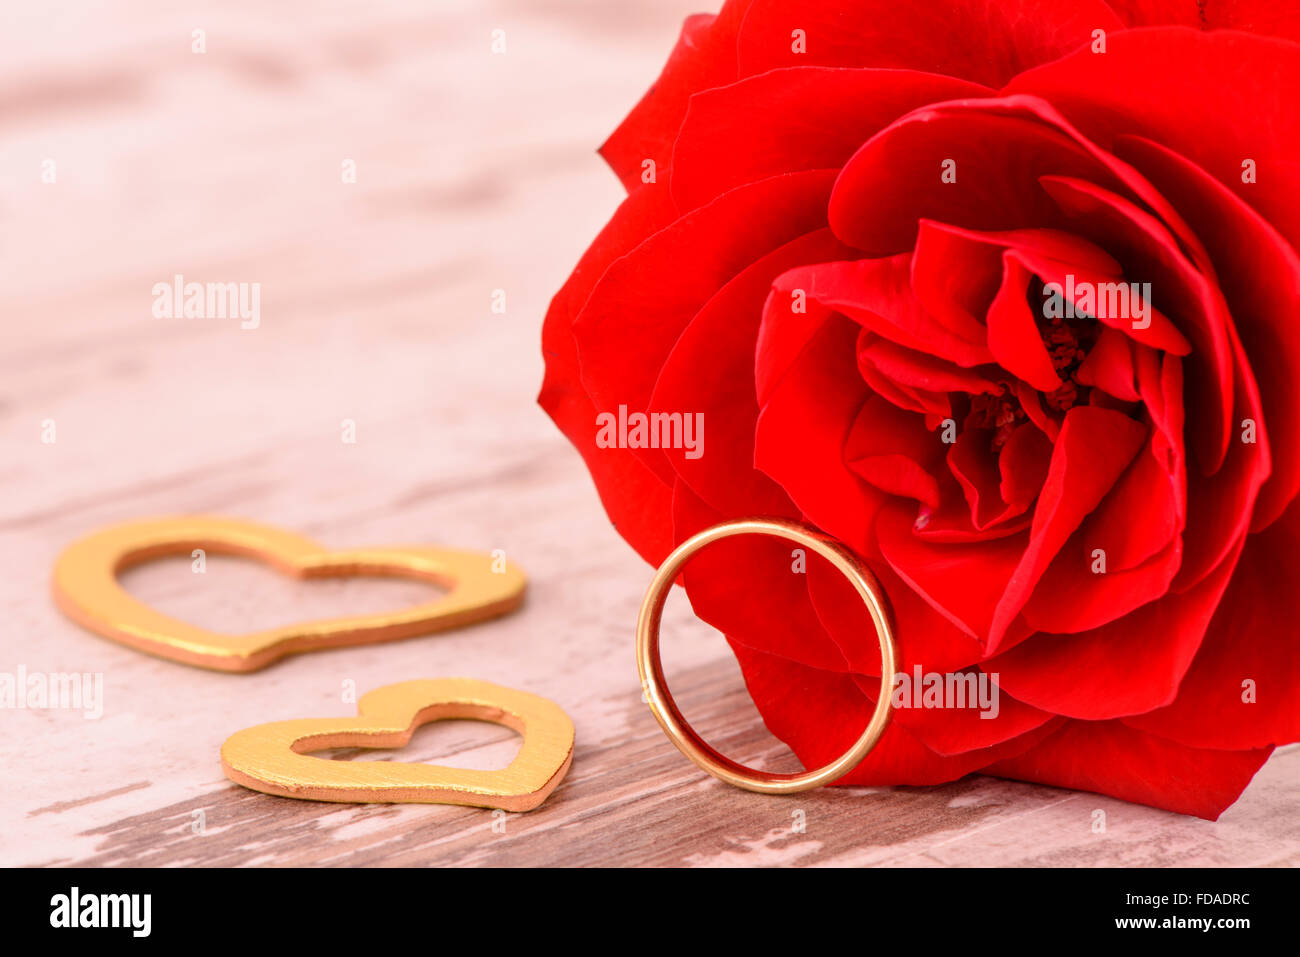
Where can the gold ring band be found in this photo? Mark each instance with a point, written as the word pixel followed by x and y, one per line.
pixel 665 708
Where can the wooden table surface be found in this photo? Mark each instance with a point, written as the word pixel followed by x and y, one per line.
pixel 476 172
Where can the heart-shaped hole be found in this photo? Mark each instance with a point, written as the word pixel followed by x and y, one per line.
pixel 449 743
pixel 233 595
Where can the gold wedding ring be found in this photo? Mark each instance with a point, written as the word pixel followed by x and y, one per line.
pixel 665 708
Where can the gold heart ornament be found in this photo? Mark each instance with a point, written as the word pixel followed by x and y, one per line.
pixel 274 758
pixel 87 590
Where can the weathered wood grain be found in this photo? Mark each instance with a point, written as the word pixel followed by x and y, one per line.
pixel 475 173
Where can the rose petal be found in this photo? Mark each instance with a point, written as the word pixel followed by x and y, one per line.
pixel 951 521
pixel 1251 638
pixel 913 369
pixel 633 311
pixel 703 58
pixel 986 41
pixel 813 117
pixel 893 450
pixel 931 641
pixel 933 405
pixel 1160 332
pixel 998 160
pixel 710 372
pixel 1264 17
pixel 747 588
pixel 878 294
pixel 1141 515
pixel 975 466
pixel 1093 449
pixel 961 582
pixel 954 278
pixel 1260 276
pixel 805 420
pixel 1156 13
pixel 634 497
pixel 1023 465
pixel 1142 86
pixel 1154 254
pixel 1070 598
pixel 1110 366
pixel 1014 338
pixel 1223 503
pixel 1126 667
pixel 1110 758
pixel 950 731
pixel 819 714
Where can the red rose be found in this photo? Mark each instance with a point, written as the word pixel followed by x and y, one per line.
pixel 1003 294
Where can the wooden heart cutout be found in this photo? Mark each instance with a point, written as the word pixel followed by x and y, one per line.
pixel 274 758
pixel 86 589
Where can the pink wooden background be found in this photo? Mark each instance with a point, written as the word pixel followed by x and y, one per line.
pixel 475 172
